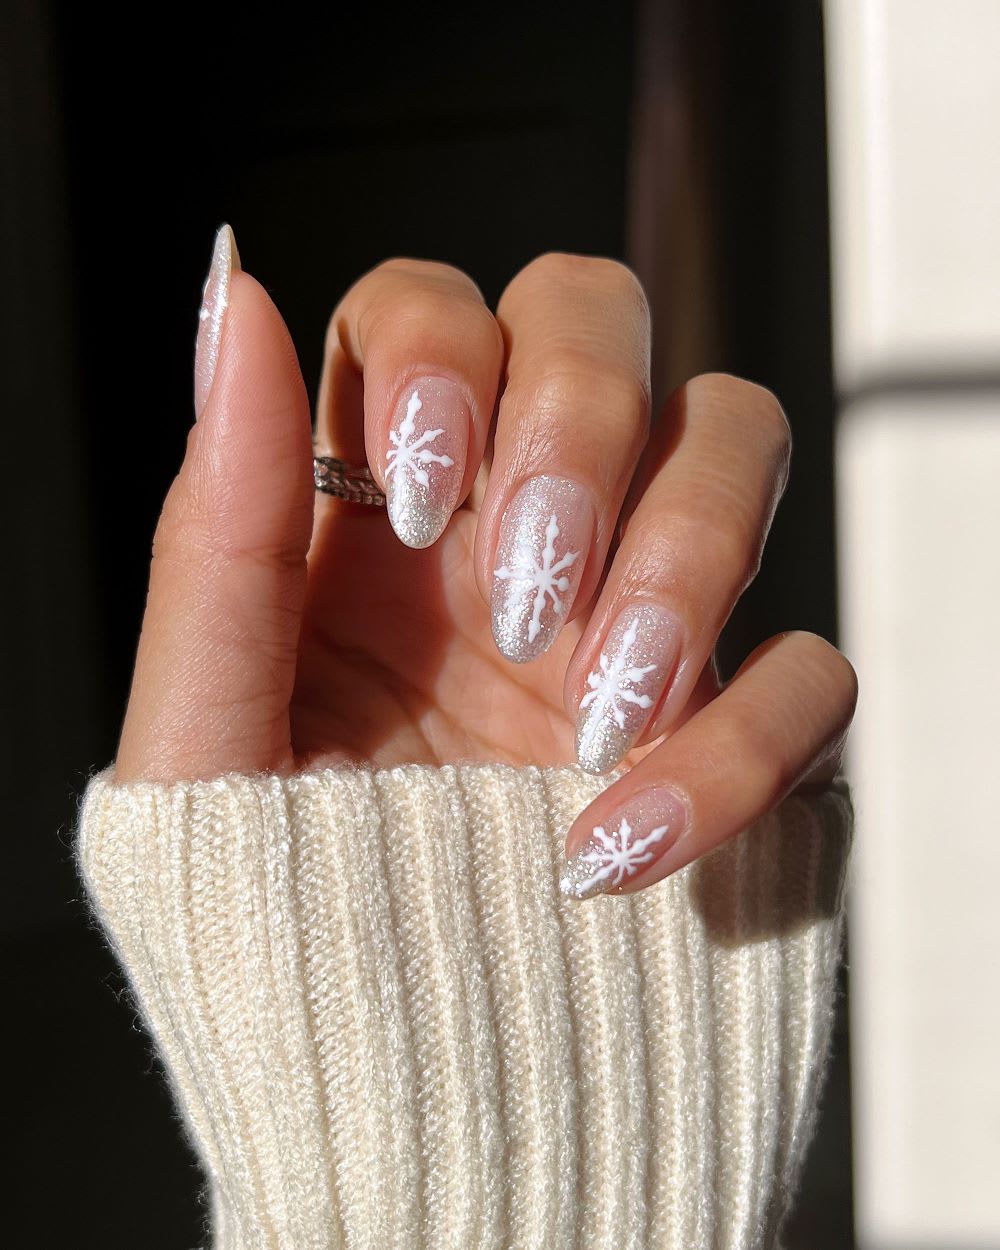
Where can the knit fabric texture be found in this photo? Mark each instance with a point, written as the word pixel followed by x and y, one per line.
pixel 387 1028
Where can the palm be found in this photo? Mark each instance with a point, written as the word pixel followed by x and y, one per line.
pixel 397 662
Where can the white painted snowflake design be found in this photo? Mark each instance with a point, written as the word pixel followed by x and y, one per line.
pixel 411 455
pixel 614 858
pixel 542 575
pixel 611 685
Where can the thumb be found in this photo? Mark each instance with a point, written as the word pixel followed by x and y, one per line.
pixel 216 659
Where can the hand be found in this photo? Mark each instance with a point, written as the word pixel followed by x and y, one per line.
pixel 286 629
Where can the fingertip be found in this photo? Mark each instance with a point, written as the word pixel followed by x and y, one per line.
pixel 213 314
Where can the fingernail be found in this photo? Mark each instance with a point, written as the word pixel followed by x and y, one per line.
pixel 640 833
pixel 425 460
pixel 211 317
pixel 544 539
pixel 635 664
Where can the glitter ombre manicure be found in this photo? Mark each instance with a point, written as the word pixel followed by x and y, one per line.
pixel 212 315
pixel 425 459
pixel 545 538
pixel 636 661
pixel 617 852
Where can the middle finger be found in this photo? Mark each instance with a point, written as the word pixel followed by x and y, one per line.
pixel 572 423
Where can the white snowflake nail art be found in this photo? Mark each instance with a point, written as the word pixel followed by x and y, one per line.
pixel 405 455
pixel 420 493
pixel 541 575
pixel 637 656
pixel 538 564
pixel 611 685
pixel 608 859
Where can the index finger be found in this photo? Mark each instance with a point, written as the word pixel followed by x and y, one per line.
pixel 414 346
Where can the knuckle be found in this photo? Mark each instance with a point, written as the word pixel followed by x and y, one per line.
pixel 412 307
pixel 772 416
pixel 601 273
pixel 417 317
pixel 623 284
pixel 409 271
pixel 757 413
pixel 403 290
pixel 775 429
pixel 549 267
pixel 833 669
pixel 748 399
pixel 715 387
pixel 578 370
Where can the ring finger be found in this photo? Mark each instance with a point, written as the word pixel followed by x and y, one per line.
pixel 709 484
pixel 413 347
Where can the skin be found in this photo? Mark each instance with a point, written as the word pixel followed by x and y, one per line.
pixel 285 629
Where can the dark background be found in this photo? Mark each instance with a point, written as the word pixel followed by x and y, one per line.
pixel 686 138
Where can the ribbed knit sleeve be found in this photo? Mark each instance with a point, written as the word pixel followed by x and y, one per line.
pixel 387 1028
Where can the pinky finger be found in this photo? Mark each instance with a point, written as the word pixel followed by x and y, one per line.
pixel 781 721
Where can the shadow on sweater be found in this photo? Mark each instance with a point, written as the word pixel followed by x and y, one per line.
pixel 767 883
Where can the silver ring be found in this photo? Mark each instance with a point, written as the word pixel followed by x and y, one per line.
pixel 352 482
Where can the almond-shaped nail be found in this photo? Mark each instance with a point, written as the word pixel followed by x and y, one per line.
pixel 425 459
pixel 636 661
pixel 545 536
pixel 212 315
pixel 617 852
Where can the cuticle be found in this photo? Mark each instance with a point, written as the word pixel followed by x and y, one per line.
pixel 521 481
pixel 419 374
pixel 676 792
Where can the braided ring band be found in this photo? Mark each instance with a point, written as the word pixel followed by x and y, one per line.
pixel 352 482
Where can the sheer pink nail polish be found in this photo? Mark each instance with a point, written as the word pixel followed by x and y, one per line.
pixel 637 660
pixel 425 458
pixel 211 317
pixel 626 845
pixel 545 537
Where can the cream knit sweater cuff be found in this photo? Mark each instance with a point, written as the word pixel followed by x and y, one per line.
pixel 386 1027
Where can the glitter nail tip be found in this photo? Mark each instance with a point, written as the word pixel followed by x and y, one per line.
pixel 578 881
pixel 635 663
pixel 417 522
pixel 545 536
pixel 425 459
pixel 211 315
